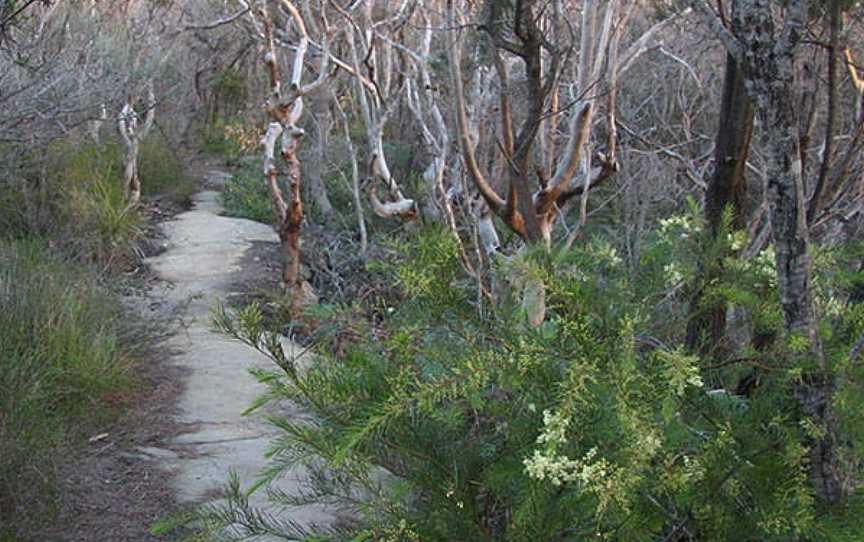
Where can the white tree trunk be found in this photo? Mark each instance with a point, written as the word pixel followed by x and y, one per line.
pixel 320 109
pixel 94 126
pixel 132 134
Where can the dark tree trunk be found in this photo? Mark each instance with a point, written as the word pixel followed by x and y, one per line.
pixel 794 276
pixel 819 191
pixel 727 186
pixel 769 68
pixel 767 53
pixel 726 189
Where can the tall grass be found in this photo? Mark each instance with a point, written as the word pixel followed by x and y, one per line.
pixel 94 217
pixel 60 355
pixel 73 193
pixel 63 208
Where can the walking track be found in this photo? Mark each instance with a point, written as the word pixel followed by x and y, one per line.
pixel 204 251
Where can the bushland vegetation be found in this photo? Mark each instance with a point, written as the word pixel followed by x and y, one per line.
pixel 588 271
pixel 65 349
pixel 70 234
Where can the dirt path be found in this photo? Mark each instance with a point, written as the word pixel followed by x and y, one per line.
pixel 198 268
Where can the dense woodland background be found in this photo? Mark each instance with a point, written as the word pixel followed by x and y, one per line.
pixel 573 270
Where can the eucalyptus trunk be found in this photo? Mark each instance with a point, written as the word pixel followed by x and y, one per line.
pixel 289 229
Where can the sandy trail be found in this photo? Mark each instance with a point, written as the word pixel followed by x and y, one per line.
pixel 200 264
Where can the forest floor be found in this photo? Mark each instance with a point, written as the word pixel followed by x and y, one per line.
pixel 184 430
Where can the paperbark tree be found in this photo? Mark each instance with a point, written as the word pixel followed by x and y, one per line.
pixel 529 216
pixel 527 32
pixel 284 107
pixel 377 96
pixel 356 194
pixel 133 133
pixel 94 126
pixel 420 95
pixel 320 109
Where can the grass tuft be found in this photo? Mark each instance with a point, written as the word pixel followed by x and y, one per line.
pixel 61 355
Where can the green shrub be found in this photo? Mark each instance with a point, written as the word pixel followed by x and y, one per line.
pixel 163 172
pixel 230 139
pixel 245 195
pixel 60 353
pixel 230 91
pixel 213 141
pixel 23 204
pixel 36 185
pixel 440 425
pixel 161 169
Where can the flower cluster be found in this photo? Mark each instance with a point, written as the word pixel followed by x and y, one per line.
pixel 673 274
pixel 604 252
pixel 554 428
pixel 683 225
pixel 559 469
pixel 737 240
pixel 648 443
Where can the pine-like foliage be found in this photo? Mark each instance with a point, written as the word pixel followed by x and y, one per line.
pixel 439 425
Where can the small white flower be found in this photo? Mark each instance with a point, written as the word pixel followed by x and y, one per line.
pixel 673 273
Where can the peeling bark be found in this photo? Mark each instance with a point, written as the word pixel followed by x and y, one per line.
pixel 289 229
pixel 132 135
pixel 285 109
